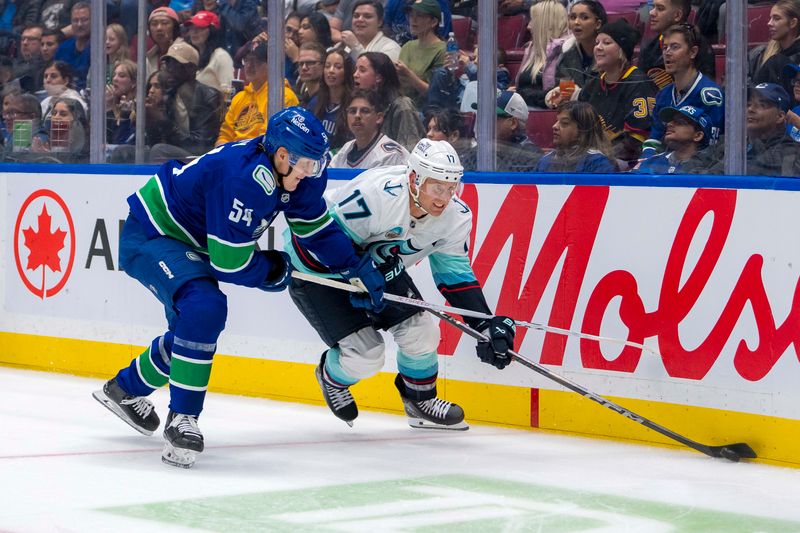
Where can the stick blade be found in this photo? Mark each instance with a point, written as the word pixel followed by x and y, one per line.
pixel 733 452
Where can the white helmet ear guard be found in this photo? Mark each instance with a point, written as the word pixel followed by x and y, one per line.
pixel 434 159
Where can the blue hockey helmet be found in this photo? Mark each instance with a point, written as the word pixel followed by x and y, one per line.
pixel 303 136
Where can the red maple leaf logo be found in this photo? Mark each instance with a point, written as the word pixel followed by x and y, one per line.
pixel 44 245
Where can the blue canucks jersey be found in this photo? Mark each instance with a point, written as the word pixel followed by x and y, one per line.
pixel 704 94
pixel 222 202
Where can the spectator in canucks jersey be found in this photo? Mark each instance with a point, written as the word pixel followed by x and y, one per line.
pixel 193 226
pixel 579 140
pixel 686 133
pixel 663 15
pixel 791 73
pixel 622 95
pixel 330 103
pixel 689 88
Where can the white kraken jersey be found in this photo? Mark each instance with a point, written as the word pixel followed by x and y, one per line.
pixel 373 209
pixel 382 152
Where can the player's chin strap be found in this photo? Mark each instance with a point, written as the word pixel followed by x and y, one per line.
pixel 469 313
pixel 731 452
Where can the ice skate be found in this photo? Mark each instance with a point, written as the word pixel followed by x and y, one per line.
pixel 136 411
pixel 183 440
pixel 431 414
pixel 339 400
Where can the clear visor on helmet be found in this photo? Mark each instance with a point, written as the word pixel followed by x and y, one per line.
pixel 439 189
pixel 311 168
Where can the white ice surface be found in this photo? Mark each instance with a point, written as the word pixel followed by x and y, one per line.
pixel 63 458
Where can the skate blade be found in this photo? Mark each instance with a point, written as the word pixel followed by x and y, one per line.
pixel 180 457
pixel 104 400
pixel 420 423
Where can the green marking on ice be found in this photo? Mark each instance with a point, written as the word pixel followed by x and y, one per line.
pixel 450 503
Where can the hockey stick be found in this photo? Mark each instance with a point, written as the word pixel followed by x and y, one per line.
pixel 731 452
pixel 467 312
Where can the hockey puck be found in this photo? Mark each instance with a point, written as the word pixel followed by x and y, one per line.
pixel 730 455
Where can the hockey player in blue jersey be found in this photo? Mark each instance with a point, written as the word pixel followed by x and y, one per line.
pixel 690 88
pixel 400 215
pixel 192 226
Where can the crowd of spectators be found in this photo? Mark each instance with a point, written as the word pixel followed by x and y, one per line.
pixel 620 93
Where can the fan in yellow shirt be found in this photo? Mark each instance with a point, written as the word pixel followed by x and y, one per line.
pixel 246 117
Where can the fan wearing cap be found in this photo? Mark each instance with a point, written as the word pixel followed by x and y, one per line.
pixel 163 25
pixel 396 25
pixel 189 119
pixel 791 75
pixel 216 65
pixel 663 15
pixel 420 56
pixel 687 131
pixel 689 88
pixel 770 150
pixel 622 95
pixel 246 116
pixel 194 227
pixel 515 151
pixel 399 215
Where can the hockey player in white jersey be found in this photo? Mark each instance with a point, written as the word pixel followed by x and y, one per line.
pixel 399 215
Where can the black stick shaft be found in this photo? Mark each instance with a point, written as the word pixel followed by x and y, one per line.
pixel 738 450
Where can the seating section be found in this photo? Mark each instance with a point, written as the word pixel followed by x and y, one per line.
pixel 540 127
pixel 462 28
pixel 757 30
pixel 511 31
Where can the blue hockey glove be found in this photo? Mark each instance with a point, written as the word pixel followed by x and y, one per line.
pixel 500 330
pixel 372 280
pixel 280 272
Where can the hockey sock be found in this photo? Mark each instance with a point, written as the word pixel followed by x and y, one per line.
pixel 333 371
pixel 150 370
pixel 418 375
pixel 202 310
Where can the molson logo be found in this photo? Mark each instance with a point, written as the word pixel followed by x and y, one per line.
pixel 583 209
pixel 44 235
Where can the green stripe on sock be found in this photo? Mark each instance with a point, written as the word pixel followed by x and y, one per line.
pixel 150 374
pixel 183 372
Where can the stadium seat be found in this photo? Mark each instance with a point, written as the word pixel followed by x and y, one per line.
pixel 540 127
pixel 462 27
pixel 511 31
pixel 719 62
pixel 514 62
pixel 757 18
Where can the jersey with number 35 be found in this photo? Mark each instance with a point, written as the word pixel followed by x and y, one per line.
pixel 222 202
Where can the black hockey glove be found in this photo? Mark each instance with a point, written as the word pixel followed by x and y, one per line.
pixel 366 274
pixel 280 271
pixel 500 330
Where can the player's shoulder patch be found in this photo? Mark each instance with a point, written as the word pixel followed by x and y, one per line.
pixel 711 96
pixel 391 147
pixel 263 176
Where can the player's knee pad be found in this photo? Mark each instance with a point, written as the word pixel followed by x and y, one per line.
pixel 202 307
pixel 362 353
pixel 417 335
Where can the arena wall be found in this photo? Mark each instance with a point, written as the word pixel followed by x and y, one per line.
pixel 702 270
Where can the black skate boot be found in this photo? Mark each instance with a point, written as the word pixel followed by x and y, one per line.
pixel 136 411
pixel 339 400
pixel 431 414
pixel 184 440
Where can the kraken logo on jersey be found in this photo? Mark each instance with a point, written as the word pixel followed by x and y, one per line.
pixel 394 232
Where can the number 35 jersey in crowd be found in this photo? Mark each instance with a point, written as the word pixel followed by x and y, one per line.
pixel 373 209
pixel 222 202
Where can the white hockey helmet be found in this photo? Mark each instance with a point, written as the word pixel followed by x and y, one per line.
pixel 434 159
